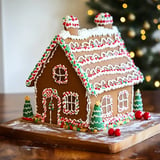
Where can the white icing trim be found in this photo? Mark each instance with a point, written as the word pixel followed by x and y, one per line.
pixel 132 98
pixel 118 117
pixel 93 45
pixel 69 110
pixel 110 69
pixel 36 80
pixel 122 100
pixel 116 83
pixel 88 107
pixel 86 33
pixel 95 57
pixel 58 76
pixel 107 98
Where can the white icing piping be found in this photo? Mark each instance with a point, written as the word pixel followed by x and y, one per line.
pixel 88 107
pixel 122 99
pixel 93 58
pixel 118 117
pixel 73 109
pixel 110 69
pixel 86 33
pixel 44 65
pixel 132 97
pixel 109 44
pixel 91 42
pixel 115 83
pixel 108 102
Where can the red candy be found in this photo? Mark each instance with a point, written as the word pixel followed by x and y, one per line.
pixel 111 132
pixel 138 114
pixel 146 115
pixel 117 132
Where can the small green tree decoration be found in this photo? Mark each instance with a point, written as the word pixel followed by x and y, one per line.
pixel 138 104
pixel 97 123
pixel 27 110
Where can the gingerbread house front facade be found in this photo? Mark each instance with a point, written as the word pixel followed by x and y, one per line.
pixel 81 66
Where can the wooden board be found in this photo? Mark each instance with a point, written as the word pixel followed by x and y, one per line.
pixel 132 133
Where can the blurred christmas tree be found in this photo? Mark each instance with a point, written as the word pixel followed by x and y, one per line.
pixel 138 22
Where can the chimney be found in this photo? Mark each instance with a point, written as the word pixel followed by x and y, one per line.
pixel 104 19
pixel 71 24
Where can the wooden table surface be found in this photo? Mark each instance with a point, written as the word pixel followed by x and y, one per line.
pixel 11 106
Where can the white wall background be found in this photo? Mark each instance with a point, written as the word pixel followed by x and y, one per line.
pixel 27 29
pixel 1 55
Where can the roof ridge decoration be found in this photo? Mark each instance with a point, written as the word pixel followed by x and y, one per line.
pixel 86 33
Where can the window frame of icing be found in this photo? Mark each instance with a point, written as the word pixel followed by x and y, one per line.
pixel 123 100
pixel 59 79
pixel 107 113
pixel 66 109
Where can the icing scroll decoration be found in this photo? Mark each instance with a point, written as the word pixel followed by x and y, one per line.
pixel 110 69
pixel 93 58
pixel 92 45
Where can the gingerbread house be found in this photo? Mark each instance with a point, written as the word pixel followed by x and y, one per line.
pixel 81 66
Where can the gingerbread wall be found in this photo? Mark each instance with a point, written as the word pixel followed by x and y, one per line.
pixel 114 95
pixel 74 84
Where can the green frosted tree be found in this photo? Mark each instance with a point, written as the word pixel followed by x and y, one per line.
pixel 138 104
pixel 27 110
pixel 96 118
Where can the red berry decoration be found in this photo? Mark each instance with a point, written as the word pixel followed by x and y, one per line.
pixel 146 115
pixel 138 114
pixel 111 132
pixel 71 127
pixel 117 132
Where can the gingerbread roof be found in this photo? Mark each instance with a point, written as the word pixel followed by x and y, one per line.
pixel 98 56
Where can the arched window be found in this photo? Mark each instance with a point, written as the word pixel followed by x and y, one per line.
pixel 70 103
pixel 106 104
pixel 60 74
pixel 123 100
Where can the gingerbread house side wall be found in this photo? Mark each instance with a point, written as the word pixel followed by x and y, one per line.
pixel 114 94
pixel 45 80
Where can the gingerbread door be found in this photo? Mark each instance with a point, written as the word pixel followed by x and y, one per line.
pixel 51 103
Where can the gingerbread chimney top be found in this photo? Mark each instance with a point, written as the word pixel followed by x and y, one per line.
pixel 71 24
pixel 104 19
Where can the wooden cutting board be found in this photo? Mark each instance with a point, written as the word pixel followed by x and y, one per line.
pixel 132 133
